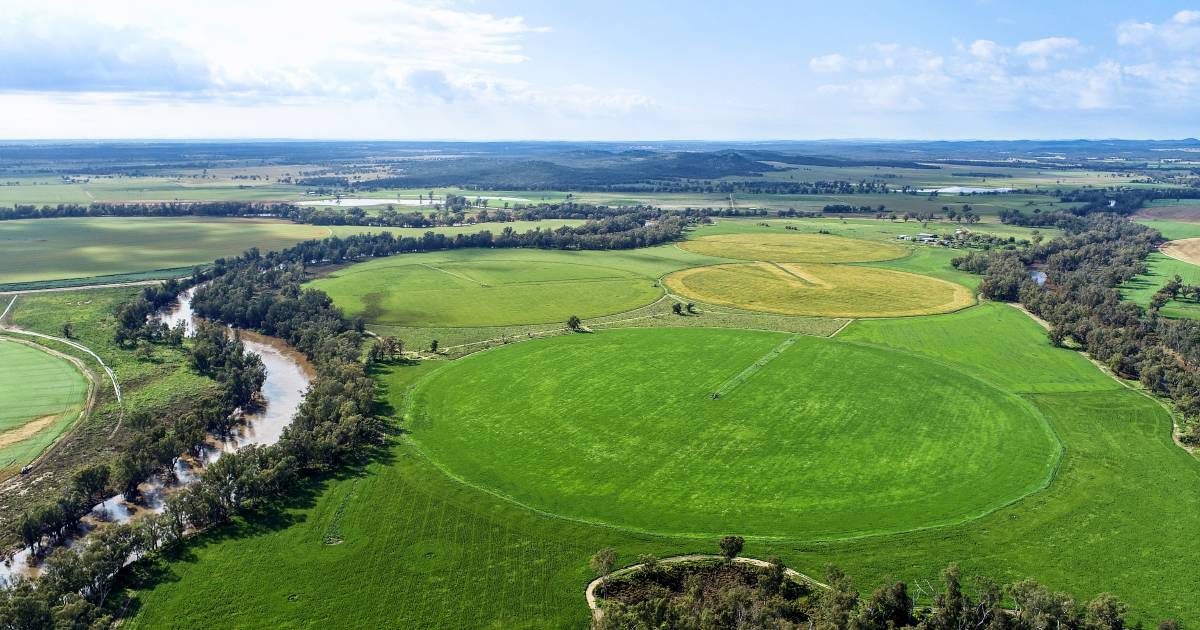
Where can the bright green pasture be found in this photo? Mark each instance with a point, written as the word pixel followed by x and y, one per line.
pixel 35 386
pixel 1160 268
pixel 499 287
pixel 619 428
pixel 994 342
pixel 428 552
pixel 1174 230
pixel 50 249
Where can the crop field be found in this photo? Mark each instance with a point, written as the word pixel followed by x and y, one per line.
pixel 63 252
pixel 622 428
pixel 52 249
pixel 470 288
pixel 818 290
pixel 783 247
pixel 41 396
pixel 430 550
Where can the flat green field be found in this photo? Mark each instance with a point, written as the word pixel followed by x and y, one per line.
pixel 430 552
pixel 52 249
pixel 40 396
pixel 465 288
pixel 620 428
pixel 1174 230
pixel 819 290
pixel 121 249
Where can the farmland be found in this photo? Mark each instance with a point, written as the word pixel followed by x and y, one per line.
pixel 421 537
pixel 54 249
pixel 51 396
pixel 115 249
pixel 579 445
pixel 819 290
pixel 638 378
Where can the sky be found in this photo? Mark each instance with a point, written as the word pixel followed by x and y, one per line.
pixel 601 70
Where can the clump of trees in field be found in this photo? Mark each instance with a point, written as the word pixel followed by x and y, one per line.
pixel 719 595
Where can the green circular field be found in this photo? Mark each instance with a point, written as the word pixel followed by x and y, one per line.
pixel 819 290
pixel 483 292
pixel 809 438
pixel 40 396
pixel 811 248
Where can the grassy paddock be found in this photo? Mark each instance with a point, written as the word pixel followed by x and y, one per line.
pixel 502 287
pixel 51 249
pixel 41 395
pixel 620 427
pixel 433 553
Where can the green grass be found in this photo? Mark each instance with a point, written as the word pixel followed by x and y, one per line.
pixel 1160 268
pixel 475 287
pixel 40 253
pixel 415 552
pixel 51 249
pixel 994 342
pixel 619 428
pixel 1174 230
pixel 35 385
pixel 424 551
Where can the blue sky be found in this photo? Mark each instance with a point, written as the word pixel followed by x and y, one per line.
pixel 491 69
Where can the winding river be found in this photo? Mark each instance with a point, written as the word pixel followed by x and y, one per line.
pixel 288 374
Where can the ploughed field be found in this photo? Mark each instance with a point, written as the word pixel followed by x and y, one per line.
pixel 40 396
pixel 696 431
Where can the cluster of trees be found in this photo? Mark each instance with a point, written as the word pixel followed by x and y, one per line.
pixel 687 599
pixel 1174 289
pixel 1081 301
pixel 134 318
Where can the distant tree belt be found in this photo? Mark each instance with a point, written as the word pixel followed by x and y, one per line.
pixel 1091 201
pixel 1081 300
pixel 452 213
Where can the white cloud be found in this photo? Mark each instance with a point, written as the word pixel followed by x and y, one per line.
pixel 985 49
pixel 1040 52
pixel 1180 33
pixel 827 64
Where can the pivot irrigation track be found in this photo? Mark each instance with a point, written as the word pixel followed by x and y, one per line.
pixel 745 374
